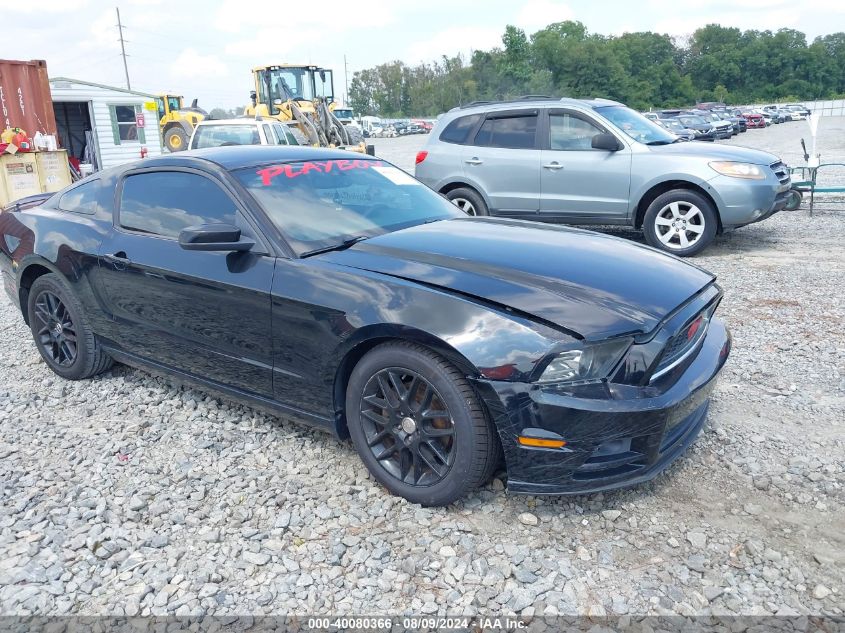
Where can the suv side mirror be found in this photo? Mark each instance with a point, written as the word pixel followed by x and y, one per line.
pixel 213 237
pixel 606 141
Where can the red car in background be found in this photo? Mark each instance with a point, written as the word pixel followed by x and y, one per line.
pixel 754 120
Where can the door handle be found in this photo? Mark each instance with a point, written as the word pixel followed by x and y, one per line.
pixel 553 165
pixel 119 259
pixel 473 161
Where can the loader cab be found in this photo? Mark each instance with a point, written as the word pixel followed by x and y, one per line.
pixel 167 104
pixel 277 84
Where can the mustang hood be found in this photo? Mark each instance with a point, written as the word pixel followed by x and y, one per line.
pixel 590 284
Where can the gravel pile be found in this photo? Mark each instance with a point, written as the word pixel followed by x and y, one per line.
pixel 129 495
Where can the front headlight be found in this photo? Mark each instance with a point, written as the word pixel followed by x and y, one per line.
pixel 738 170
pixel 587 363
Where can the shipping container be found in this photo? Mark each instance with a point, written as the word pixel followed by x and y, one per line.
pixel 25 100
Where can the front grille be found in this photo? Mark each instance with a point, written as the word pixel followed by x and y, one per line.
pixel 781 172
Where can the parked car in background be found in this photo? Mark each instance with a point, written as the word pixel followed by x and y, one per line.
pixel 721 128
pixel 797 112
pixel 676 128
pixel 598 162
pixel 223 132
pixel 754 120
pixel 263 274
pixel 778 115
pixel 767 116
pixel 739 122
pixel 704 130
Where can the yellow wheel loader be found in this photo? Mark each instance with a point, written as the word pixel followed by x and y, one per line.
pixel 303 96
pixel 177 122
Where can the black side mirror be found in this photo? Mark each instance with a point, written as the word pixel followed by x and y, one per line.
pixel 213 237
pixel 607 142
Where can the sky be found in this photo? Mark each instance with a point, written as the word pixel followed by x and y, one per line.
pixel 205 49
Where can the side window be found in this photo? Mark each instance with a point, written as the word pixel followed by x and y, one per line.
pixel 82 199
pixel 289 135
pixel 571 132
pixel 165 202
pixel 458 130
pixel 513 132
pixel 269 136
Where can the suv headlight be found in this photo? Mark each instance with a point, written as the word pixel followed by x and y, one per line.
pixel 586 363
pixel 738 170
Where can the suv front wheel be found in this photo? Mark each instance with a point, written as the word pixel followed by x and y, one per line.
pixel 681 222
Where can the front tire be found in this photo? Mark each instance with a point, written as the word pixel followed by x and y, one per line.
pixel 61 331
pixel 681 222
pixel 418 425
pixel 176 139
pixel 469 201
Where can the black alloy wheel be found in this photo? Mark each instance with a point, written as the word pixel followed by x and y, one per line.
pixel 61 331
pixel 54 328
pixel 408 426
pixel 418 425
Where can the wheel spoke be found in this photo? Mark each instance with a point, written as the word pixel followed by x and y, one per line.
pixel 434 467
pixel 666 237
pixel 676 210
pixel 378 437
pixel 42 312
pixel 425 401
pixel 662 221
pixel 378 403
pixel 434 432
pixel 417 460
pixel 387 392
pixel 387 451
pixel 692 212
pixel 375 417
pixel 437 452
pixel 695 228
pixel 682 236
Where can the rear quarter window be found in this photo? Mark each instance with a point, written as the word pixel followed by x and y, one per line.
pixel 84 198
pixel 458 130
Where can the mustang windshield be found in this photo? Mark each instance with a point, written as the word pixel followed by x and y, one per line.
pixel 324 204
pixel 636 125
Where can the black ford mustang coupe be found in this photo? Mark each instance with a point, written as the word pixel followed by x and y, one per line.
pixel 335 289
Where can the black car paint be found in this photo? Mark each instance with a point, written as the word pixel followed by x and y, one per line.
pixel 283 333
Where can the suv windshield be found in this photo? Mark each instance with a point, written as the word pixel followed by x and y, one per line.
pixel 324 204
pixel 636 125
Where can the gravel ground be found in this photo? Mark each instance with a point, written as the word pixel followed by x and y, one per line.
pixel 127 494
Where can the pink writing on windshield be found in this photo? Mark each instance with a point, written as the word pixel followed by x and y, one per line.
pixel 323 167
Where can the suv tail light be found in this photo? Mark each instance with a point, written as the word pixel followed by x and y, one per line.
pixel 421 156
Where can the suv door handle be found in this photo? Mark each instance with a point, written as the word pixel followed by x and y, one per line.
pixel 553 165
pixel 473 161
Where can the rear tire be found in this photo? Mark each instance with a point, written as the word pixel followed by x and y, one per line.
pixel 681 222
pixel 469 201
pixel 61 331
pixel 432 460
pixel 176 139
pixel 354 134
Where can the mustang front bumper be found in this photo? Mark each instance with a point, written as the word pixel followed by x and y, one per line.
pixel 612 442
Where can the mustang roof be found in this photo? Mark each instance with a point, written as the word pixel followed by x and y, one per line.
pixel 236 157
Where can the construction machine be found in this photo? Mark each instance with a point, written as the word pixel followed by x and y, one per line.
pixel 176 121
pixel 303 96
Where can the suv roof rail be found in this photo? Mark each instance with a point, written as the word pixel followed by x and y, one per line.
pixel 514 100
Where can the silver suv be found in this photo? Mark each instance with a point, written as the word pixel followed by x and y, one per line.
pixel 598 162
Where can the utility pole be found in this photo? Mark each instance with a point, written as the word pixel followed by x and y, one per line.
pixel 346 80
pixel 123 49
